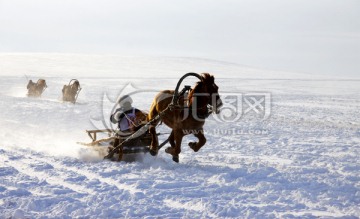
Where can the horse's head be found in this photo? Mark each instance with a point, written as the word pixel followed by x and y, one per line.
pixel 41 83
pixel 76 85
pixel 212 89
pixel 207 89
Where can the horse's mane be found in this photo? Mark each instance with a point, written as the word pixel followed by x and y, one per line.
pixel 41 81
pixel 75 85
pixel 207 80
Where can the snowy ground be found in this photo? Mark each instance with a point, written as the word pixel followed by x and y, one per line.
pixel 301 162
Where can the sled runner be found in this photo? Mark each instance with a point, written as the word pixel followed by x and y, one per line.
pixel 120 145
pixel 136 145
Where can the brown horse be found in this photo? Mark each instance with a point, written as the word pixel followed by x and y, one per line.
pixel 36 89
pixel 71 91
pixel 187 117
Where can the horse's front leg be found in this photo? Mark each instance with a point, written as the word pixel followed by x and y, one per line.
pixel 175 150
pixel 154 141
pixel 172 139
pixel 202 140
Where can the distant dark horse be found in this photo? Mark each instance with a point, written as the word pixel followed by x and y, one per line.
pixel 71 91
pixel 36 89
pixel 187 117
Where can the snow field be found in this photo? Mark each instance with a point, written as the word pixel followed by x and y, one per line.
pixel 303 165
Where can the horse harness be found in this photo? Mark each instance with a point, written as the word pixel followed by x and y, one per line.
pixel 175 105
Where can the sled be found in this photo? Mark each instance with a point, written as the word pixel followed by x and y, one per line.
pixel 36 89
pixel 123 145
pixel 71 91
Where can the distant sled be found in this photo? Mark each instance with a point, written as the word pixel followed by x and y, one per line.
pixel 71 91
pixel 36 89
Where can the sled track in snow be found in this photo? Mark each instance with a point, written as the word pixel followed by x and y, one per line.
pixel 60 172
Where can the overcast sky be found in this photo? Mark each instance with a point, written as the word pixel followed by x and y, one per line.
pixel 314 36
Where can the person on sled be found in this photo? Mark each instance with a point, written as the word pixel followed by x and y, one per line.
pixel 128 119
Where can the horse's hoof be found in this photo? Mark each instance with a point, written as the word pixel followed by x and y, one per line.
pixel 193 146
pixel 153 153
pixel 169 150
pixel 176 159
pixel 153 150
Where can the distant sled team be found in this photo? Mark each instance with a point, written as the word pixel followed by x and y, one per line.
pixel 70 92
pixel 36 89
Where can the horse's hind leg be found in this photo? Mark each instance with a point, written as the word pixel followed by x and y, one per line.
pixel 176 149
pixel 202 140
pixel 172 139
pixel 154 146
pixel 154 141
pixel 171 150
